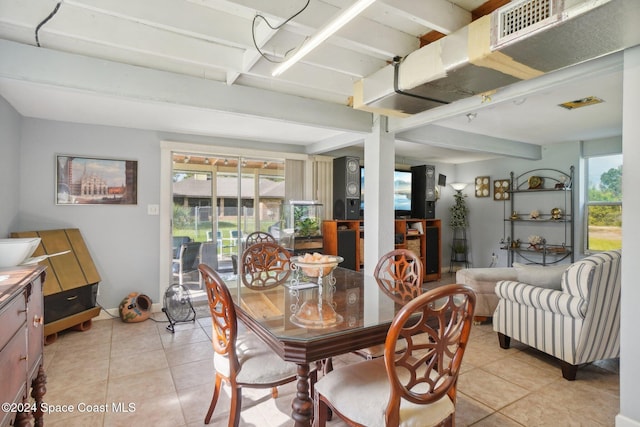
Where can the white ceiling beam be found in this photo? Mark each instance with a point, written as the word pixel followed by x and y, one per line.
pixel 76 72
pixel 333 143
pixel 362 33
pixel 459 140
pixel 440 15
pixel 184 18
pixel 77 23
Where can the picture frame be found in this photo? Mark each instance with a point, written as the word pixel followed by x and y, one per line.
pixel 87 180
pixel 482 186
pixel 501 188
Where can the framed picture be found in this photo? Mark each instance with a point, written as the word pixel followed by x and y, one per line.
pixel 482 186
pixel 501 189
pixel 96 181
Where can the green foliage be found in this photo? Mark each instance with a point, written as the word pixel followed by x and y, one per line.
pixel 604 244
pixel 459 211
pixel 181 216
pixel 611 182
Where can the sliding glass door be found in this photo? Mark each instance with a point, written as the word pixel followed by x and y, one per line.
pixel 217 202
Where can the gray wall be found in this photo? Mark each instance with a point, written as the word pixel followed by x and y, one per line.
pixel 9 155
pixel 123 240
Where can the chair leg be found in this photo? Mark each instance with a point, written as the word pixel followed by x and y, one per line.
pixel 274 392
pixel 321 413
pixel 569 371
pixel 236 405
pixel 214 399
pixel 504 340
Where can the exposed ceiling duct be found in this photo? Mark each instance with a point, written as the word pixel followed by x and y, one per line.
pixel 519 41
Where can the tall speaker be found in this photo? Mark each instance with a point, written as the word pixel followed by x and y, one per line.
pixel 423 191
pixel 346 188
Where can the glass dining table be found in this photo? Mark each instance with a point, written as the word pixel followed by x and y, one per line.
pixel 356 311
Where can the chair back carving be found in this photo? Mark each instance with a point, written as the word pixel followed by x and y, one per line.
pixel 428 368
pixel 265 265
pixel 223 317
pixel 259 237
pixel 400 274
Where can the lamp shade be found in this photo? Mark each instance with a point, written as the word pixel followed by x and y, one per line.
pixel 458 186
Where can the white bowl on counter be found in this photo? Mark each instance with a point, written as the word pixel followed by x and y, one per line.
pixel 15 251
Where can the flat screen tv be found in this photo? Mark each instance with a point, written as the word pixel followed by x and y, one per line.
pixel 401 192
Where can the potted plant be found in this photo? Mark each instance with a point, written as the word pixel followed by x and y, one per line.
pixel 459 223
pixel 459 212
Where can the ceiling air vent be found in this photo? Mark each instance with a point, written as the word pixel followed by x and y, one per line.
pixel 525 16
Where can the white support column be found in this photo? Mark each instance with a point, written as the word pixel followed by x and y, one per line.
pixel 629 415
pixel 379 216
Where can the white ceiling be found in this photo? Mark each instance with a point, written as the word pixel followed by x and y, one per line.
pixel 209 43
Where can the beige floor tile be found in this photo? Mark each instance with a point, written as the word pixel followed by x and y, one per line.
pixel 158 410
pixel 489 389
pixel 183 336
pixel 189 353
pixel 125 345
pixel 63 376
pixel 189 375
pixel 138 362
pixel 497 419
pixel 78 420
pixel 469 411
pixel 519 372
pixel 137 386
pixel 81 398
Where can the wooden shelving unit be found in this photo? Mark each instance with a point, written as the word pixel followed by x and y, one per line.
pixel 425 241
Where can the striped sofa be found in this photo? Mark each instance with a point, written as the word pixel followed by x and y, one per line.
pixel 578 324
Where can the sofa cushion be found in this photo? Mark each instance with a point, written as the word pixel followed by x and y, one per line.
pixel 549 276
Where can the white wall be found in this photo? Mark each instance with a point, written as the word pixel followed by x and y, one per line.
pixel 9 156
pixel 122 240
pixel 486 216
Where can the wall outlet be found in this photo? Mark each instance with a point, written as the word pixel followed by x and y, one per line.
pixel 153 209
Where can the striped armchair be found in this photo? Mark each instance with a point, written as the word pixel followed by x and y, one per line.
pixel 578 324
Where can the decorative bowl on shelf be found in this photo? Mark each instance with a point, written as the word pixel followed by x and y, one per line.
pixel 316 265
pixel 15 251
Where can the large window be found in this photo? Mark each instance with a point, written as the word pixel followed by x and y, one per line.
pixel 604 203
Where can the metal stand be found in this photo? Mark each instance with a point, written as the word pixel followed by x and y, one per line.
pixel 459 248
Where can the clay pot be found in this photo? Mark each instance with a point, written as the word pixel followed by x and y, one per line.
pixel 135 307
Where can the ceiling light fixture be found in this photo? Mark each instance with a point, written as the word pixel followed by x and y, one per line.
pixel 324 33
pixel 578 103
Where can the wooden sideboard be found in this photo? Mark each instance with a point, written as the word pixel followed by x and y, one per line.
pixel 21 345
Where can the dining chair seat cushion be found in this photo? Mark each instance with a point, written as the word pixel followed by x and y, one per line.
pixel 259 363
pixel 360 391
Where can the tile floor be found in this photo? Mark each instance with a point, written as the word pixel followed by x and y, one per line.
pixel 165 379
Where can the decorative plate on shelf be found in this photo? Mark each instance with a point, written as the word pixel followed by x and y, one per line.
pixel 535 182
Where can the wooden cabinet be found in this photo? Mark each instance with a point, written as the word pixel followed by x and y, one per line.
pixel 71 291
pixel 21 343
pixel 421 236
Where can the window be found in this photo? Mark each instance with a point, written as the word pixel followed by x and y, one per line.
pixel 604 203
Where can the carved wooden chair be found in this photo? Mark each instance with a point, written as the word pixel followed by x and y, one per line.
pixel 259 237
pixel 241 358
pixel 414 387
pixel 264 265
pixel 399 274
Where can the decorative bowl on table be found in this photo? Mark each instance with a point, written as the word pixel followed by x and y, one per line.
pixel 16 251
pixel 316 265
pixel 316 314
